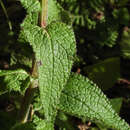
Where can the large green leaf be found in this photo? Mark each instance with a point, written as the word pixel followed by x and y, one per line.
pixel 54 48
pixel 105 73
pixel 82 98
pixel 13 79
pixel 116 105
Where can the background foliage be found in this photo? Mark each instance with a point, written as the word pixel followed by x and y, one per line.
pixel 103 47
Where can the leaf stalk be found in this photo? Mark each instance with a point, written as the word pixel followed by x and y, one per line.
pixel 44 13
pixel 26 103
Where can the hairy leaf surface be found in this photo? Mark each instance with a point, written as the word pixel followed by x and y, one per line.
pixel 54 48
pixel 42 124
pixel 82 98
pixel 31 5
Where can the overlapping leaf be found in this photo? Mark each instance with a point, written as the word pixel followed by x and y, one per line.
pixel 82 98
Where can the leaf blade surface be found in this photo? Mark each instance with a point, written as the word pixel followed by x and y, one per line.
pixel 83 99
pixel 54 48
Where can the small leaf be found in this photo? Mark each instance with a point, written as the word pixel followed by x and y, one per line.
pixel 32 8
pixel 125 44
pixel 105 73
pixel 36 124
pixel 82 98
pixel 42 124
pixel 57 13
pixel 13 79
pixel 124 16
pixel 64 122
pixel 31 5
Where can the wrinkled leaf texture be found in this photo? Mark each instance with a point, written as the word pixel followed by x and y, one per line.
pixel 82 98
pixel 14 79
pixel 54 48
pixel 55 12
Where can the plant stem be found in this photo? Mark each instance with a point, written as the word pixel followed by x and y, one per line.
pixel 44 13
pixel 7 17
pixel 34 70
pixel 27 99
pixel 25 105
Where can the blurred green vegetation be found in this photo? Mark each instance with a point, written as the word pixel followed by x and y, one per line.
pixel 102 29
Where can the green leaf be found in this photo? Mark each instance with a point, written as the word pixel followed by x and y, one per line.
pixel 35 125
pixel 57 13
pixel 21 60
pixel 13 79
pixel 116 104
pixel 124 16
pixel 64 122
pixel 32 8
pixel 125 44
pixel 82 98
pixel 25 126
pixel 31 5
pixel 105 73
pixel 122 2
pixel 42 124
pixel 54 48
pixel 6 117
